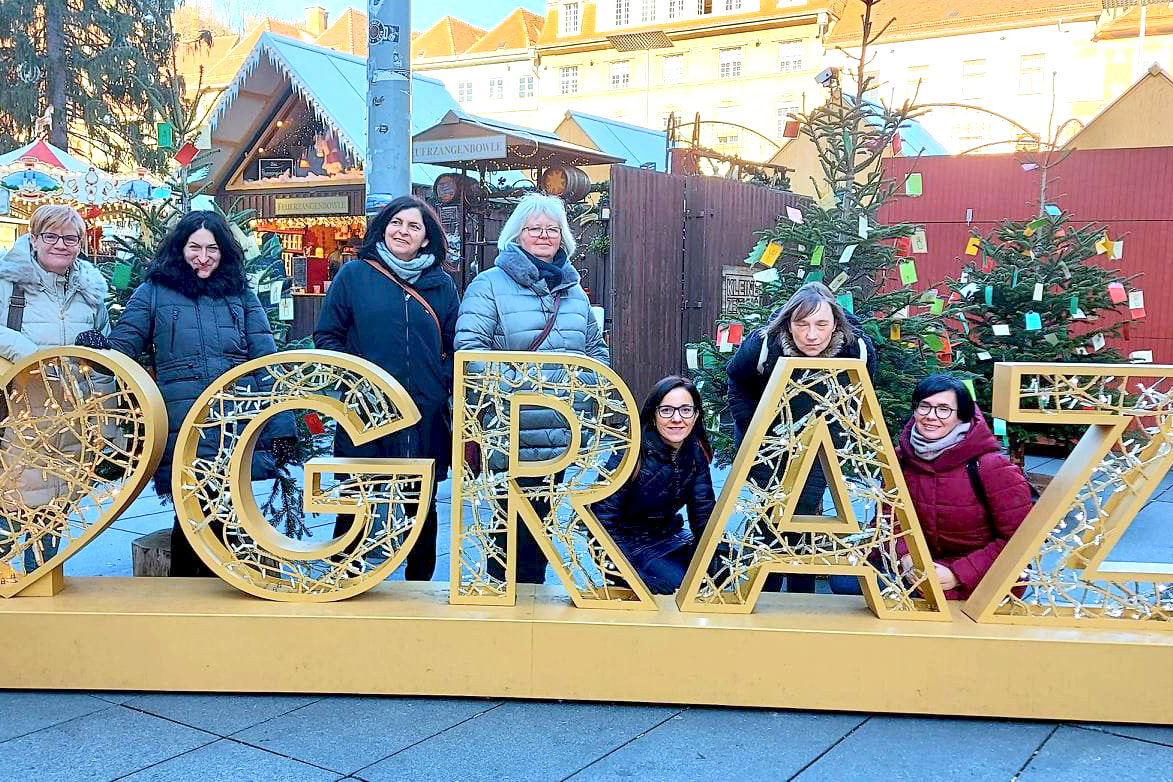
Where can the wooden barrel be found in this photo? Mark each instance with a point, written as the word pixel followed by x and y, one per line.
pixel 570 183
pixel 448 187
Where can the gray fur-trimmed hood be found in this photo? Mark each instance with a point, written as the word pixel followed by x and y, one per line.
pixel 20 268
pixel 516 263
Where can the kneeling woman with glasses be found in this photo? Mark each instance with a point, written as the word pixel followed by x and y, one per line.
pixel 672 473
pixel 969 497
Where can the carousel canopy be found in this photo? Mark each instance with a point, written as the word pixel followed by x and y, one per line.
pixel 44 152
pixel 332 84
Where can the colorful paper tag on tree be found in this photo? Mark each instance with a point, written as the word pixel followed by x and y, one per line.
pixel 913 185
pixel 771 254
pixel 907 272
pixel 120 276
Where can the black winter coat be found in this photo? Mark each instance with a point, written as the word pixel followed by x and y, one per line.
pixel 643 516
pixel 367 315
pixel 747 384
pixel 193 331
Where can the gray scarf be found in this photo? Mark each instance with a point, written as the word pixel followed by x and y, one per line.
pixel 408 271
pixel 928 449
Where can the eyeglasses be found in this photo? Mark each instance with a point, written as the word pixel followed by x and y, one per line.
pixel 70 240
pixel 538 233
pixel 942 412
pixel 687 412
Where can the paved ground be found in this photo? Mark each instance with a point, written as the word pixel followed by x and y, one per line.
pixel 149 736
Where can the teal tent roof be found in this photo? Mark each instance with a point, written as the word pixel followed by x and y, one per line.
pixel 636 145
pixel 334 85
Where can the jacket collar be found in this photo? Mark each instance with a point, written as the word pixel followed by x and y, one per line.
pixel 516 262
pixel 833 349
pixel 19 267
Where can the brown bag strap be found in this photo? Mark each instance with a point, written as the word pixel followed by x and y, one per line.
pixel 16 308
pixel 537 343
pixel 410 291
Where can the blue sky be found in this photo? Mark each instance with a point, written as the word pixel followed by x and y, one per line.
pixel 424 13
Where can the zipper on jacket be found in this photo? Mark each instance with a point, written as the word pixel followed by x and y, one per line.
pixel 174 322
pixel 407 331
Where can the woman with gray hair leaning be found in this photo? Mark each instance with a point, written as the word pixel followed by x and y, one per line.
pixel 532 300
pixel 810 324
pixel 48 295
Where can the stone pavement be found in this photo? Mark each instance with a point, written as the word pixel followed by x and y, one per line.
pixel 48 736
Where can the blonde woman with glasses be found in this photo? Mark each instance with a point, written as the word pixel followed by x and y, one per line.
pixel 532 300
pixel 49 294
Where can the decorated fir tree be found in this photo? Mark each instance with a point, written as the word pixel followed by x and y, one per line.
pixel 1039 291
pixel 839 240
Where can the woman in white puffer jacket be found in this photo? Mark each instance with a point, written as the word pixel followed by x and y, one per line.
pixel 63 295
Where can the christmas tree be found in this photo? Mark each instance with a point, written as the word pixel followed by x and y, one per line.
pixel 88 65
pixel 1034 291
pixel 839 241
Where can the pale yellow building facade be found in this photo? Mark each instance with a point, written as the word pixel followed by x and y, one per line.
pixel 735 62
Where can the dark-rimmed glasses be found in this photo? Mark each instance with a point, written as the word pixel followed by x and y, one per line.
pixel 69 240
pixel 940 412
pixel 687 412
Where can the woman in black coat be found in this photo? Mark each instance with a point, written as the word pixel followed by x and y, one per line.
pixel 195 318
pixel 673 473
pixel 396 307
pixel 810 324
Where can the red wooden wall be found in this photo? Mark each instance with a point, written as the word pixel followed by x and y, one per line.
pixel 1130 191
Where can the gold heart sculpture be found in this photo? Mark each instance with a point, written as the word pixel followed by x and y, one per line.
pixel 81 433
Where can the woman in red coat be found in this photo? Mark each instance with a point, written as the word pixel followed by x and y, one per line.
pixel 965 533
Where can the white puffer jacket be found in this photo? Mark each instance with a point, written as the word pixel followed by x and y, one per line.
pixel 56 308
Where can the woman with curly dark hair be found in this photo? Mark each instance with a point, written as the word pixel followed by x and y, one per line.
pixel 194 318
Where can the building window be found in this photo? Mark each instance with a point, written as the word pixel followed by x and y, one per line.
pixel 525 87
pixel 971 135
pixel 732 5
pixel 790 56
pixel 704 7
pixel 569 80
pixel 621 75
pixel 673 69
pixel 570 19
pixel 730 63
pixel 675 9
pixel 783 112
pixel 496 89
pixel 464 91
pixel 728 137
pixel 622 13
pixel 1030 74
pixel 973 77
pixel 917 83
pixel 647 11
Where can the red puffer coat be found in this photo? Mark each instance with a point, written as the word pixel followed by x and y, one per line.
pixel 952 517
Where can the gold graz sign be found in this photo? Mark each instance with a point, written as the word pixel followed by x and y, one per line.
pixel 83 430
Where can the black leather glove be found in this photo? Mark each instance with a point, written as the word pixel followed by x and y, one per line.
pixel 284 450
pixel 92 339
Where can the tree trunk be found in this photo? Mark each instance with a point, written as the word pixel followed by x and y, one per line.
pixel 56 70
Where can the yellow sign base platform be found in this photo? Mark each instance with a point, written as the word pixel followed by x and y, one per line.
pixel 796 651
